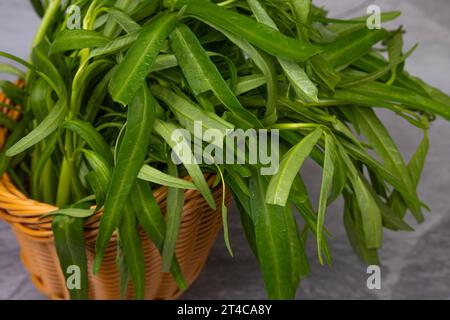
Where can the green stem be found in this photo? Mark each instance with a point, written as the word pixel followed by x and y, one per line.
pixel 77 187
pixel 226 3
pixel 63 195
pixel 48 183
pixel 294 126
pixel 50 13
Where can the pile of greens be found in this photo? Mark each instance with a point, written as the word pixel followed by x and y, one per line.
pixel 101 101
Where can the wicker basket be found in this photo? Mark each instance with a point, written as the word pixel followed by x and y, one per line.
pixel 199 228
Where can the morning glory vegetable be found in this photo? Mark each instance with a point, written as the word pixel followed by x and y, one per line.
pixel 142 95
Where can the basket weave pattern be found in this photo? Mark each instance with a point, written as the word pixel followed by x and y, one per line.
pixel 199 228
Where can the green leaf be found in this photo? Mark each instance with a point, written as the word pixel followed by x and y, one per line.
pixel 49 125
pixel 69 243
pixel 47 70
pixel 102 170
pixel 327 178
pixel 138 61
pixel 302 12
pixel 371 215
pixel 150 217
pixel 175 203
pixel 85 75
pixel 391 220
pixel 188 113
pixel 124 276
pixel 71 212
pixel 124 20
pixel 258 34
pixel 360 154
pixel 349 48
pixel 151 174
pixel 40 183
pixel 130 159
pixel 303 86
pixel 393 65
pixel 280 184
pixel 339 178
pixel 417 162
pixel 18 60
pixel 385 93
pixel 96 97
pixel 267 67
pixel 432 92
pixel 68 40
pixel 132 250
pixel 355 233
pixel 39 99
pixel 165 61
pixel 344 27
pixel 299 261
pixel 202 75
pixel 325 71
pixel 224 209
pixel 415 167
pixel 273 244
pixel 248 83
pixel 300 198
pixel 165 130
pixel 12 70
pixel 128 6
pixel 385 147
pixel 395 52
pixel 119 43
pixel 92 137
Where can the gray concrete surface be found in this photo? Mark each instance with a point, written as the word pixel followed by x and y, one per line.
pixel 415 265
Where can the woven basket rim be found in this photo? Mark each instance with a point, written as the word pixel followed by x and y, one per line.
pixel 25 213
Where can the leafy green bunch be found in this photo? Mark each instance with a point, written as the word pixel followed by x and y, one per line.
pixel 101 102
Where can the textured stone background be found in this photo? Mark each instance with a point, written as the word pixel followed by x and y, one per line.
pixel 415 265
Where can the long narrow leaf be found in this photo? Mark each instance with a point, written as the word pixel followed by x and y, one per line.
pixel 175 202
pixel 76 39
pixel 133 253
pixel 303 86
pixel 380 139
pixel 327 177
pixel 69 243
pixel 138 61
pixel 203 75
pixel 151 174
pixel 280 184
pixel 260 35
pixel 131 156
pixel 272 242
pixel 49 125
pixel 92 137
pixel 150 217
pixel 165 130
